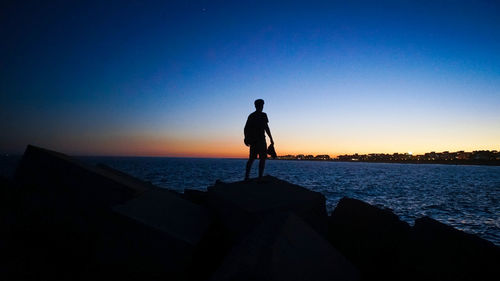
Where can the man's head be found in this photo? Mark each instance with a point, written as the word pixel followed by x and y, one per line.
pixel 259 104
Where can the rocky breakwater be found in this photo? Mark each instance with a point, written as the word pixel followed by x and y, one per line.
pixel 63 219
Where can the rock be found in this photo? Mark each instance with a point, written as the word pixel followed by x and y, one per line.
pixel 372 238
pixel 196 196
pixel 132 243
pixel 7 189
pixel 125 178
pixel 210 251
pixel 4 184
pixel 69 179
pixel 241 205
pixel 6 221
pixel 284 247
pixel 133 250
pixel 440 252
pixel 162 230
pixel 169 213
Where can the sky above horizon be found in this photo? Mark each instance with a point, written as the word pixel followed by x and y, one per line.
pixel 180 78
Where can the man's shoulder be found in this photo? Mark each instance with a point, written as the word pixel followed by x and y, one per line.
pixel 257 116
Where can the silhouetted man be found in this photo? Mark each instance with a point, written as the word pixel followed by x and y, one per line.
pixel 255 137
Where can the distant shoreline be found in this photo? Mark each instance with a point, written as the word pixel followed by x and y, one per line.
pixel 14 159
pixel 444 162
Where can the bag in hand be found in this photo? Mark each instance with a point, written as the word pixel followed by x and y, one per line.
pixel 271 151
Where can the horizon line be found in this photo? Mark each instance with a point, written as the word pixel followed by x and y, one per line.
pixel 242 157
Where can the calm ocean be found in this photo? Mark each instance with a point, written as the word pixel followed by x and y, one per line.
pixel 466 197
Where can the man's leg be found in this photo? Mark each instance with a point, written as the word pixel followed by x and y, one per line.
pixel 262 165
pixel 249 166
pixel 251 158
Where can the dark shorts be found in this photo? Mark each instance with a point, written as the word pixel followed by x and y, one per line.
pixel 259 148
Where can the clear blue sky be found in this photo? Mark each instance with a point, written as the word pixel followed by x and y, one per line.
pixel 179 79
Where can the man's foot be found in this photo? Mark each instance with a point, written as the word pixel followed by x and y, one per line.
pixel 260 180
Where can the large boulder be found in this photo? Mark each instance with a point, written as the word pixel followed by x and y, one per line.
pixel 143 248
pixel 441 252
pixel 7 202
pixel 103 245
pixel 371 237
pixel 284 247
pixel 169 213
pixel 195 196
pixel 71 180
pixel 151 237
pixel 242 205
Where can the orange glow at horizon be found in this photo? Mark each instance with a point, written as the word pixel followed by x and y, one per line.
pixel 233 147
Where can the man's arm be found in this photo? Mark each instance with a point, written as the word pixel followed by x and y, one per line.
pixel 268 131
pixel 245 132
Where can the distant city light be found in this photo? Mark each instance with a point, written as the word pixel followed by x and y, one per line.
pixel 479 156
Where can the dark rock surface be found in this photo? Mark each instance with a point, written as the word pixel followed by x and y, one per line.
pixel 440 252
pixel 373 238
pixel 168 212
pixel 195 196
pixel 284 247
pixel 241 205
pixel 385 248
pixel 85 185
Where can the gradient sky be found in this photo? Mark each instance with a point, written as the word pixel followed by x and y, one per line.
pixel 179 79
